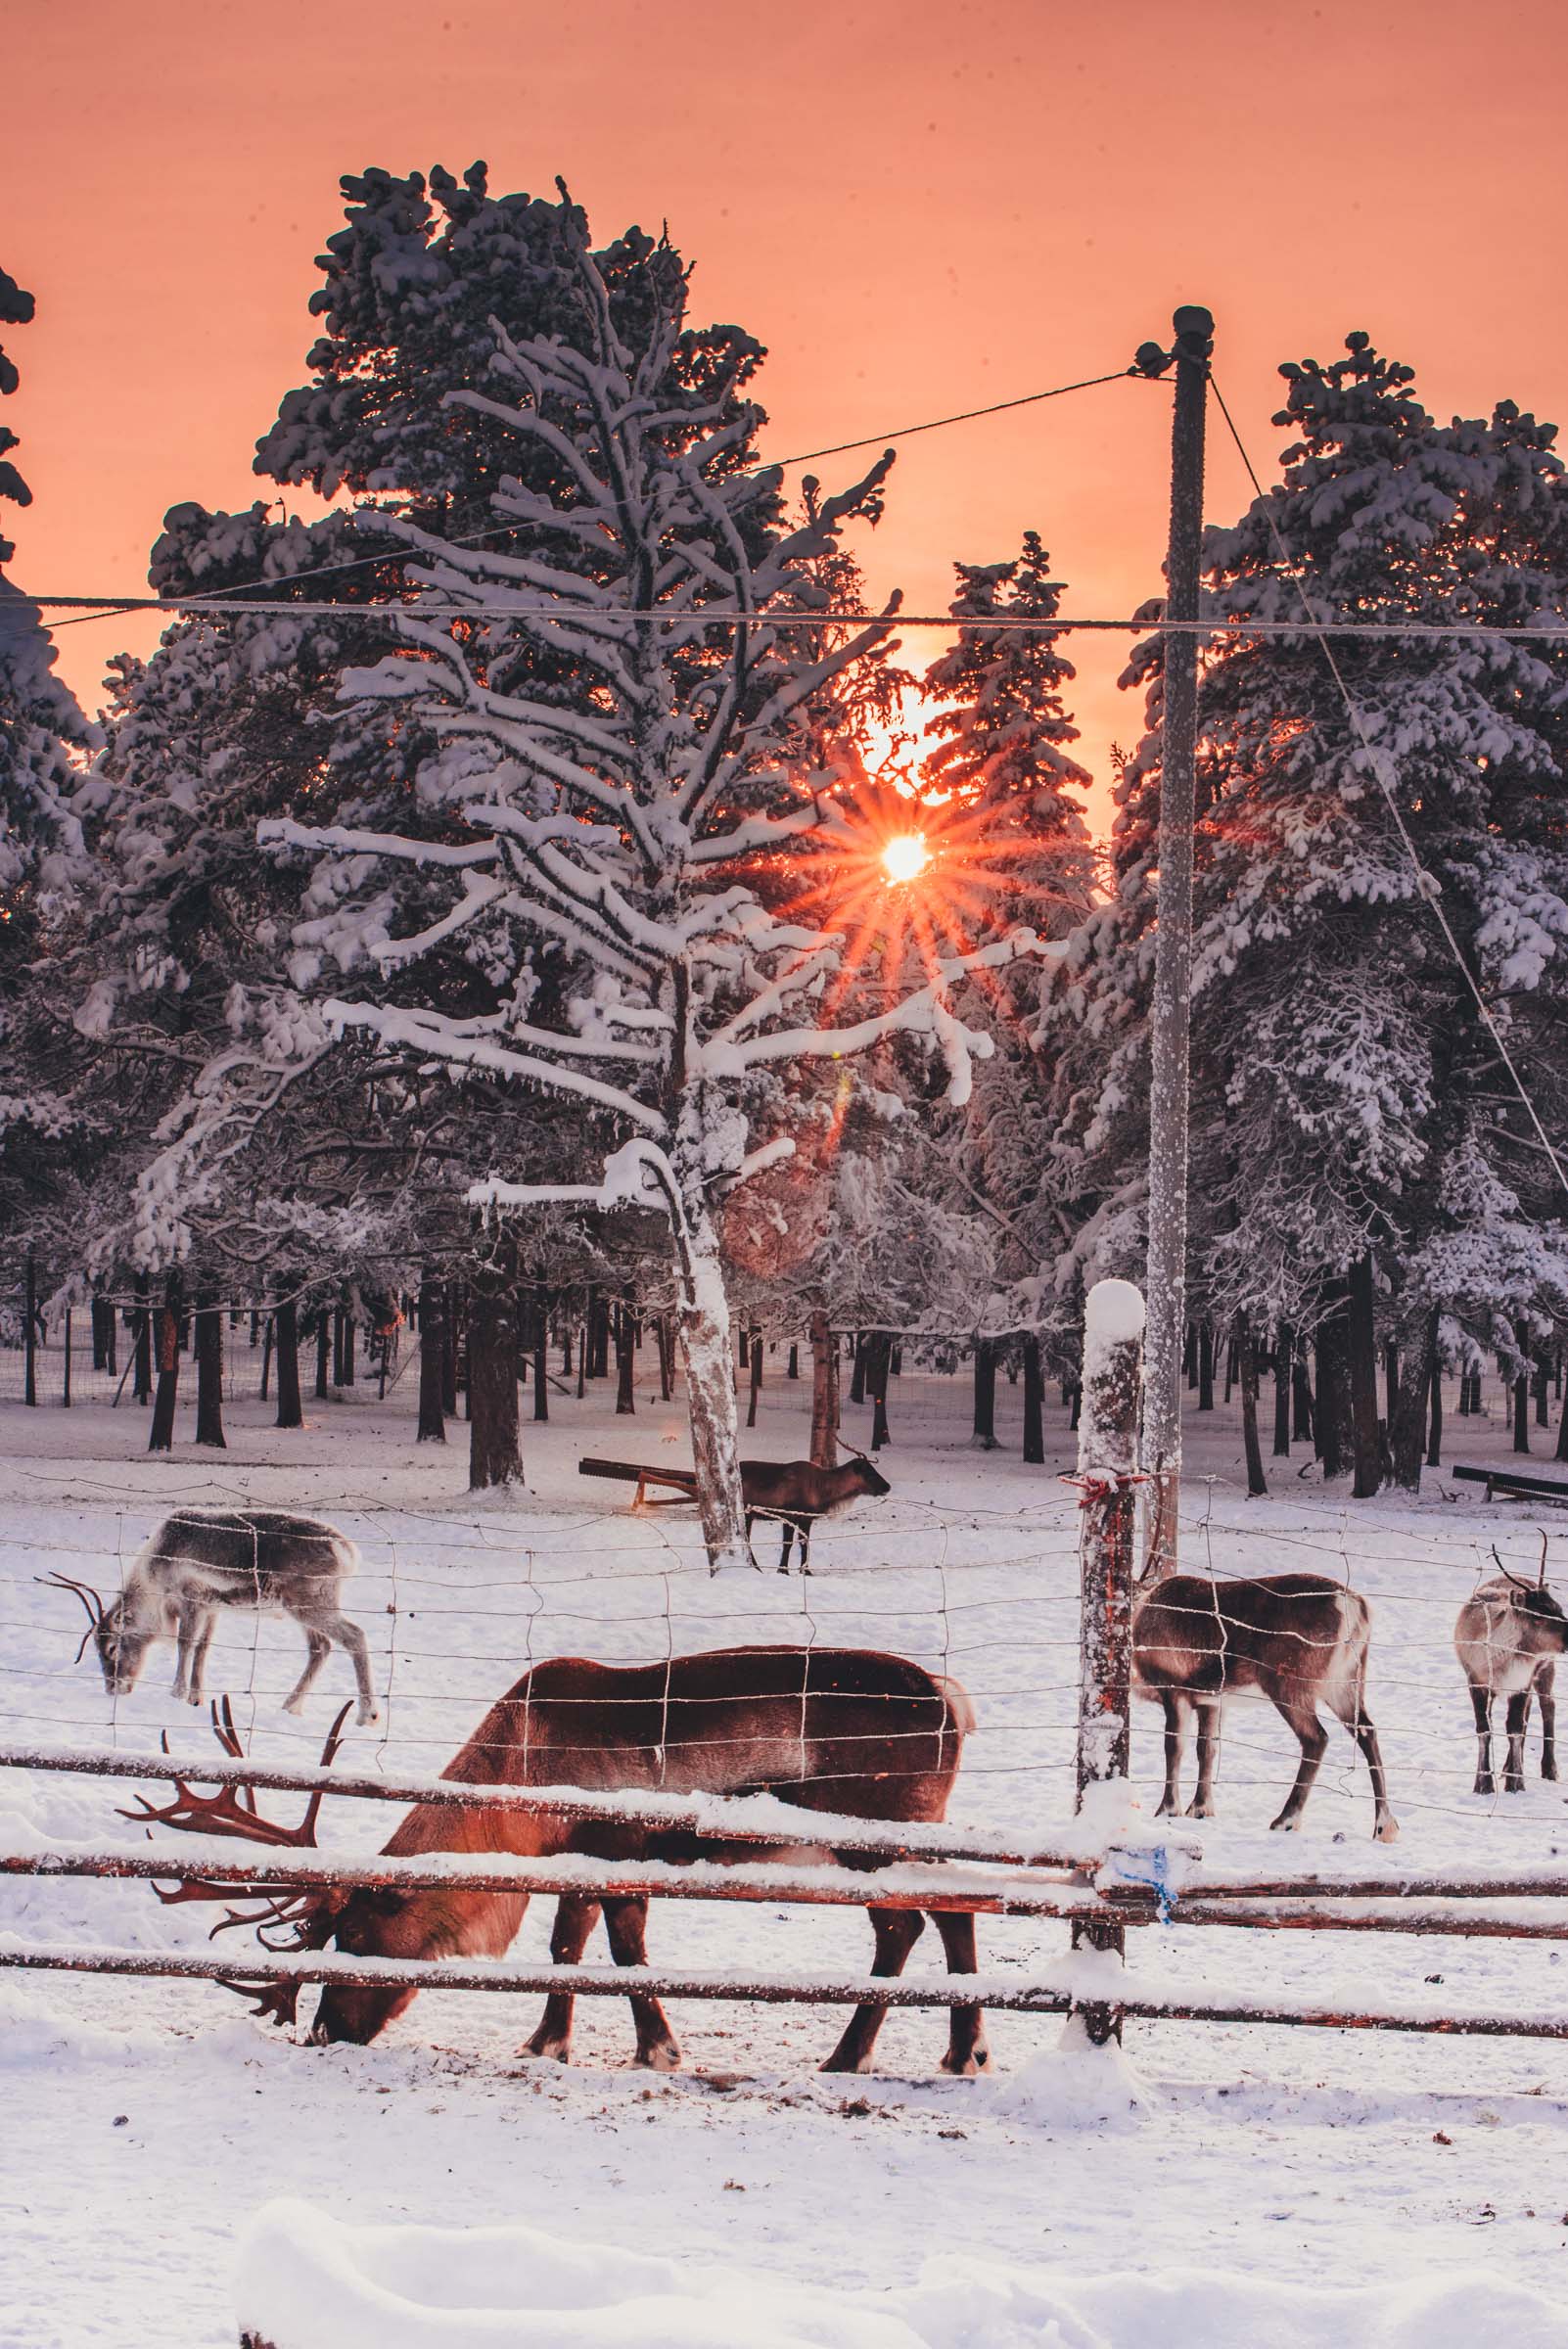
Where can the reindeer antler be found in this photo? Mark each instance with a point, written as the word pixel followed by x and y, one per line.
pixel 1517 1581
pixel 308 1915
pixel 89 1597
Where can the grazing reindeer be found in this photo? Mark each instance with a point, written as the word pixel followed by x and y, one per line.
pixel 1298 1640
pixel 265 1561
pixel 1508 1637
pixel 822 1729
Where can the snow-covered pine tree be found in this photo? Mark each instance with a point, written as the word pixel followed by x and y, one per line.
pixel 1349 1100
pixel 45 863
pixel 1330 999
pixel 1001 766
pixel 622 771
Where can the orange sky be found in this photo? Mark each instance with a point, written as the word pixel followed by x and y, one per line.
pixel 917 208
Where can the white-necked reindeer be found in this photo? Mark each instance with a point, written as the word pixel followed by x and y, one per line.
pixel 262 1561
pixel 1299 1639
pixel 1508 1637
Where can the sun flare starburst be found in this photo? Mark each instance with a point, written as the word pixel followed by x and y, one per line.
pixel 905 856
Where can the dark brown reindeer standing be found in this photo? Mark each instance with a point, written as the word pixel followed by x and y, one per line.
pixel 842 1729
pixel 1298 1640
pixel 1507 1639
pixel 796 1493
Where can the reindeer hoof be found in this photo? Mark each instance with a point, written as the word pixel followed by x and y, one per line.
pixel 1387 1830
pixel 838 2061
pixel 552 2051
pixel 366 1715
pixel 1549 1770
pixel 295 1705
pixel 1197 1810
pixel 663 2055
pixel 975 2061
pixel 1486 1785
pixel 1284 1824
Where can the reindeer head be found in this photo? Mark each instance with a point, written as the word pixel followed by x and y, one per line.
pixel 369 1923
pixel 1537 1603
pixel 121 1642
pixel 867 1478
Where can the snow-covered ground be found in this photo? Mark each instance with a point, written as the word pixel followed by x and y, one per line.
pixel 1422 2181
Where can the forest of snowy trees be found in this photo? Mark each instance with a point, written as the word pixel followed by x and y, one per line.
pixel 468 915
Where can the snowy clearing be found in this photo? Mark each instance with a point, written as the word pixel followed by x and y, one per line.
pixel 1261 2185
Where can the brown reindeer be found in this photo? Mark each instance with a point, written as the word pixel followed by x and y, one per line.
pixel 843 1729
pixel 1298 1640
pixel 798 1493
pixel 1508 1637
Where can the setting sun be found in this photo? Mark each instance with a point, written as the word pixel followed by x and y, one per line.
pixel 906 857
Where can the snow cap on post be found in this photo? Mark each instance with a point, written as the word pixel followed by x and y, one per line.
pixel 1113 1355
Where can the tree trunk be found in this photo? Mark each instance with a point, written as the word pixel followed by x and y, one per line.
pixel 793 1367
pixel 432 1361
pixel 1205 1367
pixel 142 1344
pixel 323 1352
pixel 1521 1393
pixel 1363 1352
pixel 286 1346
pixel 1284 1357
pixel 1408 1432
pixel 267 1357
pixel 1391 1378
pixel 626 1397
pixel 1033 1403
pixel 878 1354
pixel 1233 1365
pixel 351 1332
pixel 1332 1417
pixel 161 1435
pixel 1542 1386
pixel 858 1375
pixel 1301 1398
pixel 1247 1365
pixel 708 1353
pixel 30 1382
pixel 825 1354
pixel 542 1348
pixel 755 1378
pixel 494 1456
pixel 208 1343
pixel 1433 1445
pixel 1190 1356
pixel 985 1435
pixel 1562 1434
pixel 667 1358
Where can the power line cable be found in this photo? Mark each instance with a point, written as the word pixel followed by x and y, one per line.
pixel 1428 886
pixel 114 604
pixel 579 615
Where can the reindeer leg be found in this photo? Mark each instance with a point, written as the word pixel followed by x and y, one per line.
pixel 1517 1722
pixel 803 1528
pixel 1313 1739
pixel 204 1640
pixel 896 1931
pixel 1481 1699
pixel 1545 1687
pixel 574 1920
pixel 786 1537
pixel 968 2049
pixel 1202 1802
pixel 184 1628
pixel 657 2049
pixel 1174 1730
pixel 350 1636
pixel 1385 1826
pixel 318 1649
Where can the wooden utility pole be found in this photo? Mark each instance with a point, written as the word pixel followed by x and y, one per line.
pixel 1173 955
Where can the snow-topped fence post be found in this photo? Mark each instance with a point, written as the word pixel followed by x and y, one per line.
pixel 1107 1461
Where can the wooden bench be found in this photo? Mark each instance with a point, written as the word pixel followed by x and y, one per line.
pixel 1517 1483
